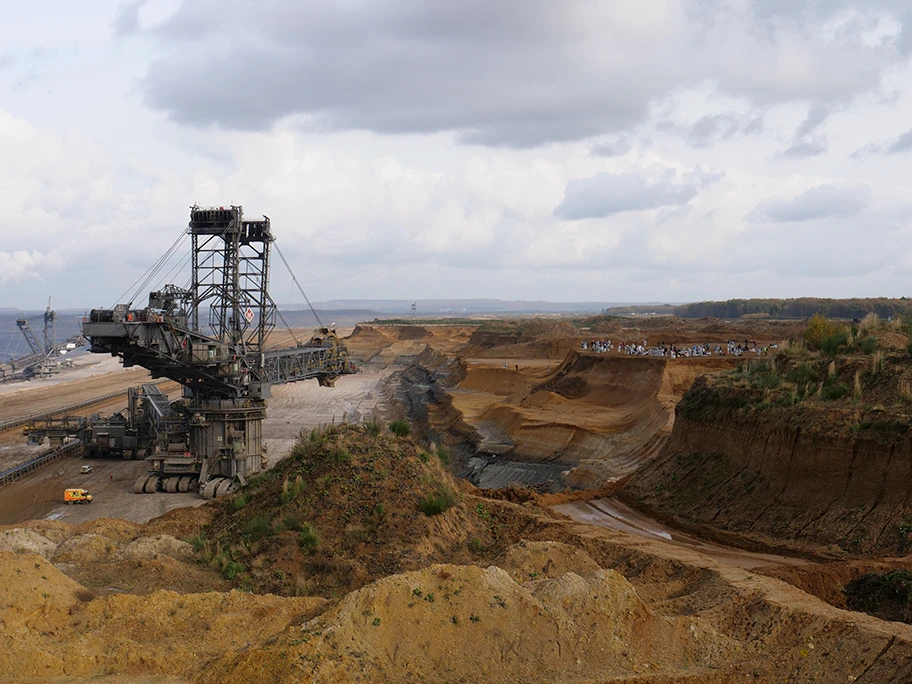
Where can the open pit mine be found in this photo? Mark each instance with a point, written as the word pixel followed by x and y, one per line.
pixel 608 499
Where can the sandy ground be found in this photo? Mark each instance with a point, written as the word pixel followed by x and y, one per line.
pixel 40 495
pixel 614 515
pixel 23 399
pixel 292 408
pixel 14 448
pixel 620 597
pixel 84 366
pixel 305 405
pixel 600 416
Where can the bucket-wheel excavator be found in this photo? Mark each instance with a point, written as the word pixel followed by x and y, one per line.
pixel 210 338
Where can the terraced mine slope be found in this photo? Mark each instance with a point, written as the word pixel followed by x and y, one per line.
pixel 478 590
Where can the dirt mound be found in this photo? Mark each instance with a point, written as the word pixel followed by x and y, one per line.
pixel 181 523
pixel 145 576
pixel 84 548
pixel 610 380
pixel 116 555
pixel 594 606
pixel 26 541
pixel 413 332
pixel 29 581
pixel 116 530
pixel 545 560
pixel 55 628
pixel 345 508
pixel 528 339
pixel 386 344
pixel 571 627
pixel 826 581
pixel 502 381
pixel 665 323
pixel 50 529
pixel 155 546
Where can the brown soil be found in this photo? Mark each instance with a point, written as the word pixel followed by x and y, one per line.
pixel 360 496
pixel 386 344
pixel 496 588
pixel 601 414
pixel 568 603
pixel 793 476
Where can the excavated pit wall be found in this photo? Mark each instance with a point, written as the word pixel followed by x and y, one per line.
pixel 423 397
pixel 595 419
pixel 791 475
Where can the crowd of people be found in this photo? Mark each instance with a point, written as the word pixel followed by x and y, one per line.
pixel 732 348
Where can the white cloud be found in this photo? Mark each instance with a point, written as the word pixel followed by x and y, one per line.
pixel 17 267
pixel 590 130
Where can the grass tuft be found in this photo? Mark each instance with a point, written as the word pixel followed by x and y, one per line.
pixel 442 499
pixel 400 428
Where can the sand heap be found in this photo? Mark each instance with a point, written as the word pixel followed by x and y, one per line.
pixel 456 589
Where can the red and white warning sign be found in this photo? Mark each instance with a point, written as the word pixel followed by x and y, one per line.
pixel 248 314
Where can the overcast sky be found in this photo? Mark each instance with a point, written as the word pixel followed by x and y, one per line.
pixel 613 150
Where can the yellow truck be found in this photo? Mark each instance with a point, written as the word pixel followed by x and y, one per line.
pixel 72 496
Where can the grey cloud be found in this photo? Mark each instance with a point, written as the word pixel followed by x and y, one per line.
pixel 809 147
pixel 897 145
pixel 127 20
pixel 807 143
pixel 904 42
pixel 822 201
pixel 816 116
pixel 605 194
pixel 901 144
pixel 715 128
pixel 613 147
pixel 494 72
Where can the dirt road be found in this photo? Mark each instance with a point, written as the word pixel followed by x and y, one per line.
pixel 292 408
pixel 614 515
pixel 40 495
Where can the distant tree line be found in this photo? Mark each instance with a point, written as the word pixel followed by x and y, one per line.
pixel 802 307
pixel 631 309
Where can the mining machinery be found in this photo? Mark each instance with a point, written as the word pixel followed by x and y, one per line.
pixel 211 338
pixel 43 360
pixel 148 421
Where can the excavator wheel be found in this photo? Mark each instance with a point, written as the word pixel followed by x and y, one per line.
pixel 140 483
pixel 152 484
pixel 207 491
pixel 224 487
pixel 171 484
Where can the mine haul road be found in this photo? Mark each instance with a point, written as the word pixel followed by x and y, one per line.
pixel 292 408
pixel 612 514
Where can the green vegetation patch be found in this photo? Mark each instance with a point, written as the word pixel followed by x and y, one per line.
pixel 340 511
pixel 887 595
pixel 442 499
